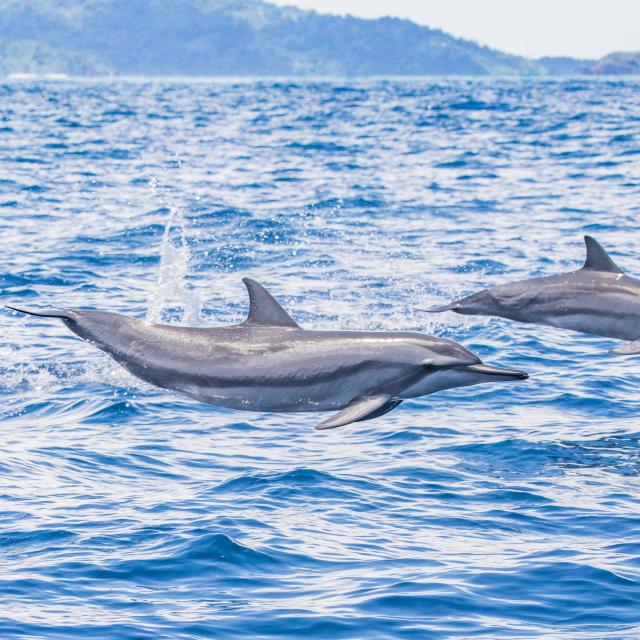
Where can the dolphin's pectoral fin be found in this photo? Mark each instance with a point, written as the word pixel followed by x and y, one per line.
pixel 264 309
pixel 629 349
pixel 362 408
pixel 385 408
pixel 597 257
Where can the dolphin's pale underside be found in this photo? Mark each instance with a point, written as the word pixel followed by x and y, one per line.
pixel 598 299
pixel 269 363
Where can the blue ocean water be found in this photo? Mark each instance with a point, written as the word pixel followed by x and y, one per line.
pixel 495 511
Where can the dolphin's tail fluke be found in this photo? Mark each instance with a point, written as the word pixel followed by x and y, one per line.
pixel 44 313
pixel 452 306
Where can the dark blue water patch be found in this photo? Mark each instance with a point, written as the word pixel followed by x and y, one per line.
pixel 611 176
pixel 121 411
pixel 604 164
pixel 419 601
pixel 116 631
pixel 79 461
pixel 133 237
pixel 25 160
pixel 38 541
pixel 622 137
pixel 119 112
pixel 287 178
pixel 304 484
pixel 56 145
pixel 617 602
pixel 70 123
pixel 574 154
pixel 330 147
pixel 9 280
pixel 479 105
pixel 34 188
pixel 139 181
pixel 26 279
pixel 452 164
pixel 198 558
pixel 547 458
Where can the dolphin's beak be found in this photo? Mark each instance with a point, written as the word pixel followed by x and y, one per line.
pixel 488 370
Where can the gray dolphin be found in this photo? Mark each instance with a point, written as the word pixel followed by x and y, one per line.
pixel 598 298
pixel 269 363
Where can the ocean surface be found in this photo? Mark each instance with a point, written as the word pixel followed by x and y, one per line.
pixel 495 511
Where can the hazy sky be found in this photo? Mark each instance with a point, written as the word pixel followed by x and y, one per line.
pixel 579 28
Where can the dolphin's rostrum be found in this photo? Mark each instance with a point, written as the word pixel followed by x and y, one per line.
pixel 598 299
pixel 269 363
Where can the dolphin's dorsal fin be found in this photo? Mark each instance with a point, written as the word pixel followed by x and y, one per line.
pixel 264 310
pixel 597 258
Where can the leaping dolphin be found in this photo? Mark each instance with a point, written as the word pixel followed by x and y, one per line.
pixel 269 363
pixel 598 298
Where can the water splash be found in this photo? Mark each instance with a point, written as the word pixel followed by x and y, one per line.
pixel 172 289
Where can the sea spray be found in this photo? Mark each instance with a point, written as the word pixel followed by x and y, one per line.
pixel 171 287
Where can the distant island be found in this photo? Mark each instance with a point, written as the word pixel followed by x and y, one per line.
pixel 246 38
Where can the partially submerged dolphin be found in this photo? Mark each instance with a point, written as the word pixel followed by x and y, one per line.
pixel 597 298
pixel 268 363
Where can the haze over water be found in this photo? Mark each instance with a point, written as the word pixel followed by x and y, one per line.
pixel 495 511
